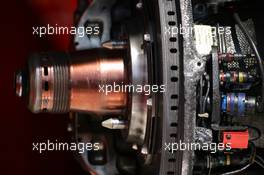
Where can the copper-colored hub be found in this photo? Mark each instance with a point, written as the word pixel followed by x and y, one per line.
pixel 88 77
pixel 71 82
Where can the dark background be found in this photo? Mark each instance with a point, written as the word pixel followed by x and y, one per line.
pixel 19 128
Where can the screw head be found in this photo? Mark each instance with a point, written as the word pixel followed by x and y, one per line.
pixel 147 37
pixel 149 102
pixel 18 84
pixel 69 128
pixel 139 5
pixel 228 136
pixel 134 147
pixel 144 150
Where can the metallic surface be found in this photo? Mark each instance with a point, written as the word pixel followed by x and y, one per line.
pixel 114 123
pixel 172 120
pixel 138 71
pixel 243 43
pixel 19 84
pixel 216 98
pixel 225 41
pixel 115 45
pixel 82 135
pixel 48 85
pixel 235 77
pixel 194 66
pixel 233 57
pixel 99 12
pixel 63 82
pixel 238 104
pixel 89 72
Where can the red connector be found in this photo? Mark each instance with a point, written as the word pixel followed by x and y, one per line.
pixel 236 139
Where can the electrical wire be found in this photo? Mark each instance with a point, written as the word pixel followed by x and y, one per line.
pixel 252 160
pixel 237 171
pixel 254 48
pixel 201 95
pixel 257 131
pixel 207 92
pixel 210 170
pixel 260 164
pixel 210 166
pixel 257 156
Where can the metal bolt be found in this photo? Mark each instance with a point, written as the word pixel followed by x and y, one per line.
pixel 115 45
pixel 139 5
pixel 19 84
pixel 144 150
pixel 113 123
pixel 228 136
pixel 149 102
pixel 69 128
pixel 147 37
pixel 134 147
